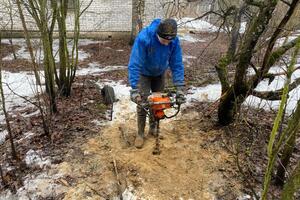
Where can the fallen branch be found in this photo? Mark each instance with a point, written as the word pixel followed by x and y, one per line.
pixel 118 180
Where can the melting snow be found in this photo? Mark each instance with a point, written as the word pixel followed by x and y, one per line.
pixel 36 187
pixel 213 92
pixel 281 41
pixel 202 26
pixel 207 93
pixel 124 103
pixel 243 27
pixel 189 38
pixel 35 158
pixel 128 194
pixel 27 135
pixel 22 53
pixel 197 25
pixel 15 85
pixel 3 135
pixel 96 68
pixel 97 122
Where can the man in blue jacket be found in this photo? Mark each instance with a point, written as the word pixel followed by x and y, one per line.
pixel 155 49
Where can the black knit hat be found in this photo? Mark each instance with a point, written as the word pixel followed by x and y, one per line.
pixel 167 29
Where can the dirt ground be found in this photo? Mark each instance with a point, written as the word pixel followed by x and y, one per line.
pixel 198 158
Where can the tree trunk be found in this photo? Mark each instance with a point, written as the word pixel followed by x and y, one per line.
pixel 230 104
pixel 138 8
pixel 63 48
pixel 11 29
pixel 68 64
pixel 231 101
pixel 28 43
pixel 49 67
pixel 13 149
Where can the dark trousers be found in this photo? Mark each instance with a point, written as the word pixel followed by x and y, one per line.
pixel 147 85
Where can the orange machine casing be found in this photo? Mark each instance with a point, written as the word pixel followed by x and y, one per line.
pixel 161 103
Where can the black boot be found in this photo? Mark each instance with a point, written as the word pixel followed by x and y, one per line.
pixel 141 121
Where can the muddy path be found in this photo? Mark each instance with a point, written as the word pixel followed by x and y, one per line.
pixel 108 166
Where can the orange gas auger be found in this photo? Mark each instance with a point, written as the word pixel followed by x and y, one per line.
pixel 155 107
pixel 158 102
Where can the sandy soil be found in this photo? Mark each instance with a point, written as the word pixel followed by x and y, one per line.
pixel 100 161
pixel 189 166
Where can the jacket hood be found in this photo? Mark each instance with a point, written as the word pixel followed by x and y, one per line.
pixel 152 28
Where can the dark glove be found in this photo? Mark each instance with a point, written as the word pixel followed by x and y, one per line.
pixel 135 96
pixel 180 98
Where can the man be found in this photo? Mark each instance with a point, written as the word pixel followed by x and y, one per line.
pixel 155 49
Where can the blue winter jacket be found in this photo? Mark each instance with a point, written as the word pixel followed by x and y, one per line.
pixel 151 58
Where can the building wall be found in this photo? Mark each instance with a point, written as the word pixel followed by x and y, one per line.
pixel 101 16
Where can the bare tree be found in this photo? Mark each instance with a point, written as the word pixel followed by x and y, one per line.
pixel 174 8
pixel 241 55
pixel 39 11
pixel 13 149
pixel 138 12
pixel 11 14
pixel 46 15
pixel 28 42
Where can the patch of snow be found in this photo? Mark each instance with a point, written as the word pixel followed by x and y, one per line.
pixel 213 92
pixel 120 50
pixel 124 103
pixel 27 135
pixel 35 158
pixel 243 27
pixel 281 41
pixel 7 195
pixel 22 84
pixel 92 69
pixel 37 112
pixel 190 57
pixel 276 84
pixel 207 93
pixel 197 25
pixel 186 59
pixel 113 68
pixel 189 38
pixel 15 85
pixel 41 186
pixel 45 185
pixel 128 194
pixel 244 197
pixel 98 123
pixel 84 42
pixel 22 53
pixel 3 135
pixel 95 68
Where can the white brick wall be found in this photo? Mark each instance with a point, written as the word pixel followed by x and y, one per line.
pixel 102 15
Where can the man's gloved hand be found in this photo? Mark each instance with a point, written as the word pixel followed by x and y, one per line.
pixel 180 98
pixel 135 96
